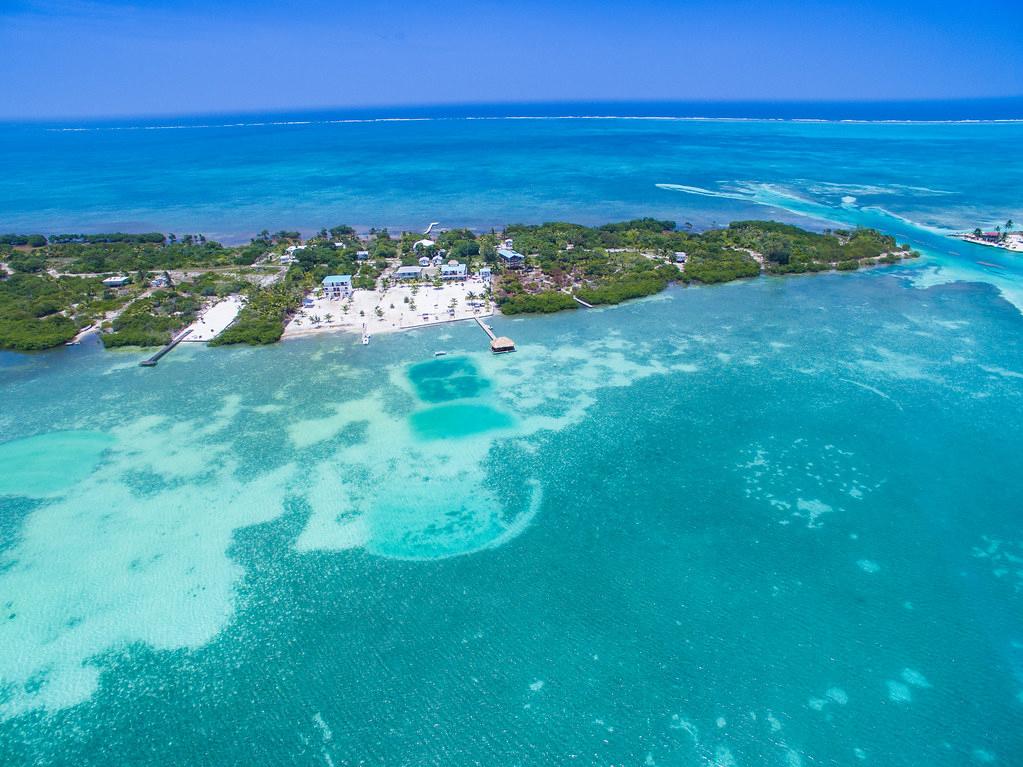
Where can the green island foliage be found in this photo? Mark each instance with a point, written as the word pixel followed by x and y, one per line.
pixel 788 249
pixel 152 321
pixel 39 311
pixel 545 302
pixel 597 264
pixel 616 262
pixel 129 256
pixel 261 320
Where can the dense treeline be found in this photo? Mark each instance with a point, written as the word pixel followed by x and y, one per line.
pixel 152 321
pixel 789 249
pixel 39 311
pixel 23 240
pixel 96 258
pixel 152 238
pixel 261 320
pixel 545 302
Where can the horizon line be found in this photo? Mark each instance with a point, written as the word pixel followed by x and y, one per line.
pixel 459 109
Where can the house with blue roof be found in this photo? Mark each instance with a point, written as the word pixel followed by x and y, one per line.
pixel 337 286
pixel 511 258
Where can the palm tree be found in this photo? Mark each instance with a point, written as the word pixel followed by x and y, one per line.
pixel 328 318
pixel 1008 226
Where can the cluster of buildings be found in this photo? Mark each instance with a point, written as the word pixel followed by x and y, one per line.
pixel 452 270
pixel 430 264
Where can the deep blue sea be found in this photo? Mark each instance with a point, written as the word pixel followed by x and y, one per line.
pixel 775 522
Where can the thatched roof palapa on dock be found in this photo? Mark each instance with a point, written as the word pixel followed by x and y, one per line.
pixel 502 344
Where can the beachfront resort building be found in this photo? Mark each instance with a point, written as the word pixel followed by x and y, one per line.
pixel 511 258
pixel 362 255
pixel 680 257
pixel 424 261
pixel 337 286
pixel 116 282
pixel 485 273
pixel 408 273
pixel 453 271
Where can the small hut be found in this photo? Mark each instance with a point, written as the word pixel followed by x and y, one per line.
pixel 502 344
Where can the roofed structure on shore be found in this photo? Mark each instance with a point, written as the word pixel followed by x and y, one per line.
pixel 511 258
pixel 408 273
pixel 453 271
pixel 337 285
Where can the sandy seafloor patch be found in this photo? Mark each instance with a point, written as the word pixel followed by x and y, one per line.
pixel 767 523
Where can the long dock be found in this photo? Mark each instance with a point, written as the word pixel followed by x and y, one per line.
pixel 486 328
pixel 151 362
pixel 580 301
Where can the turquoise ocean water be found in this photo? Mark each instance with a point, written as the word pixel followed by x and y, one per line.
pixel 767 523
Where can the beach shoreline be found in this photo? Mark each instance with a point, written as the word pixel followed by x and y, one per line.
pixel 392 309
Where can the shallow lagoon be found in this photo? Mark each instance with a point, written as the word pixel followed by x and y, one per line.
pixel 769 523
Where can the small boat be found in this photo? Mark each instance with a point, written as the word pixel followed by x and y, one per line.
pixel 365 340
pixel 439 354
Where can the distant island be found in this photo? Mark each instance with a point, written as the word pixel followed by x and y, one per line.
pixel 144 289
pixel 1001 237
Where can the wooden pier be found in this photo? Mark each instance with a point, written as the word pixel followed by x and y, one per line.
pixel 580 301
pixel 498 344
pixel 485 327
pixel 151 362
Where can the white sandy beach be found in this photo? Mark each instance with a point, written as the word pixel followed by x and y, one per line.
pixel 432 306
pixel 214 320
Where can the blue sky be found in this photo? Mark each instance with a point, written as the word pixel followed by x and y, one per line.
pixel 73 58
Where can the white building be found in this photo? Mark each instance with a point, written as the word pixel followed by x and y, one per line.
pixel 337 286
pixel 455 271
pixel 408 273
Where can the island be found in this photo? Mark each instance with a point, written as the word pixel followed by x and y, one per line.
pixel 1000 237
pixel 151 288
